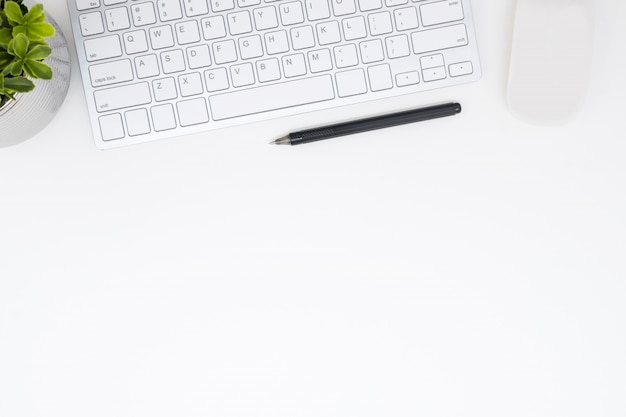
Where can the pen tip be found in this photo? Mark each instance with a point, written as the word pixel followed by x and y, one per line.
pixel 282 141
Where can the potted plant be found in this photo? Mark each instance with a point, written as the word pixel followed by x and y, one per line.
pixel 22 48
pixel 28 63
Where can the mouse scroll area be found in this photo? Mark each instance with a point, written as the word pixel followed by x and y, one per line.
pixel 550 59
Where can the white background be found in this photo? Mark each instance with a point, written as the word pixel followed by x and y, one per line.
pixel 469 266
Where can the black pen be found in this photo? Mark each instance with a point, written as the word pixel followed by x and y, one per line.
pixel 371 123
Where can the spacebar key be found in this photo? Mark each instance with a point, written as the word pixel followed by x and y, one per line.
pixel 272 97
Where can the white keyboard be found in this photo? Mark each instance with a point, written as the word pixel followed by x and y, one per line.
pixel 154 69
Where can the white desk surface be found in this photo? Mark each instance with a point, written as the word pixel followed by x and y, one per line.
pixel 473 266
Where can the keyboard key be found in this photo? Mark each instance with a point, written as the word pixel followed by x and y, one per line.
pixel 354 28
pixel 87 4
pixel 187 32
pixel 198 56
pixel 346 56
pixel 431 61
pixel 407 78
pixel 265 18
pixel 271 97
pixel 103 48
pixel 192 112
pixel 276 42
pixel 117 19
pixel 242 74
pixel 397 46
pixel 406 18
pixel 268 70
pixel 222 5
pixel 380 77
pixel 461 68
pixel 367 5
pixel 111 126
pixel 164 89
pixel 195 7
pixel 172 61
pixel 163 117
pixel 248 3
pixel 343 7
pixel 441 12
pixel 161 37
pixel 213 27
pixel 91 24
pixel 122 97
pixel 351 83
pixel 143 14
pixel 216 79
pixel 111 73
pixel 320 60
pixel 392 3
pixel 135 42
pixel 302 37
pixel 291 13
pixel 328 32
pixel 169 10
pixel 293 65
pixel 137 122
pixel 442 38
pixel 147 66
pixel 251 47
pixel 239 22
pixel 380 23
pixel 372 51
pixel 190 84
pixel 224 51
pixel 434 74
pixel 317 9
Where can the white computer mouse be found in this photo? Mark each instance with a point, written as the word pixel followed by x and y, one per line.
pixel 550 59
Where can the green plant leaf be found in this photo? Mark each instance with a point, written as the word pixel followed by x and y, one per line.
pixel 6 94
pixel 16 68
pixel 35 14
pixel 4 23
pixel 19 84
pixel 31 22
pixel 35 31
pixel 19 46
pixel 39 52
pixel 5 59
pixel 37 69
pixel 6 34
pixel 13 13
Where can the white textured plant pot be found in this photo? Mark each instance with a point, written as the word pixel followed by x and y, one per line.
pixel 29 113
